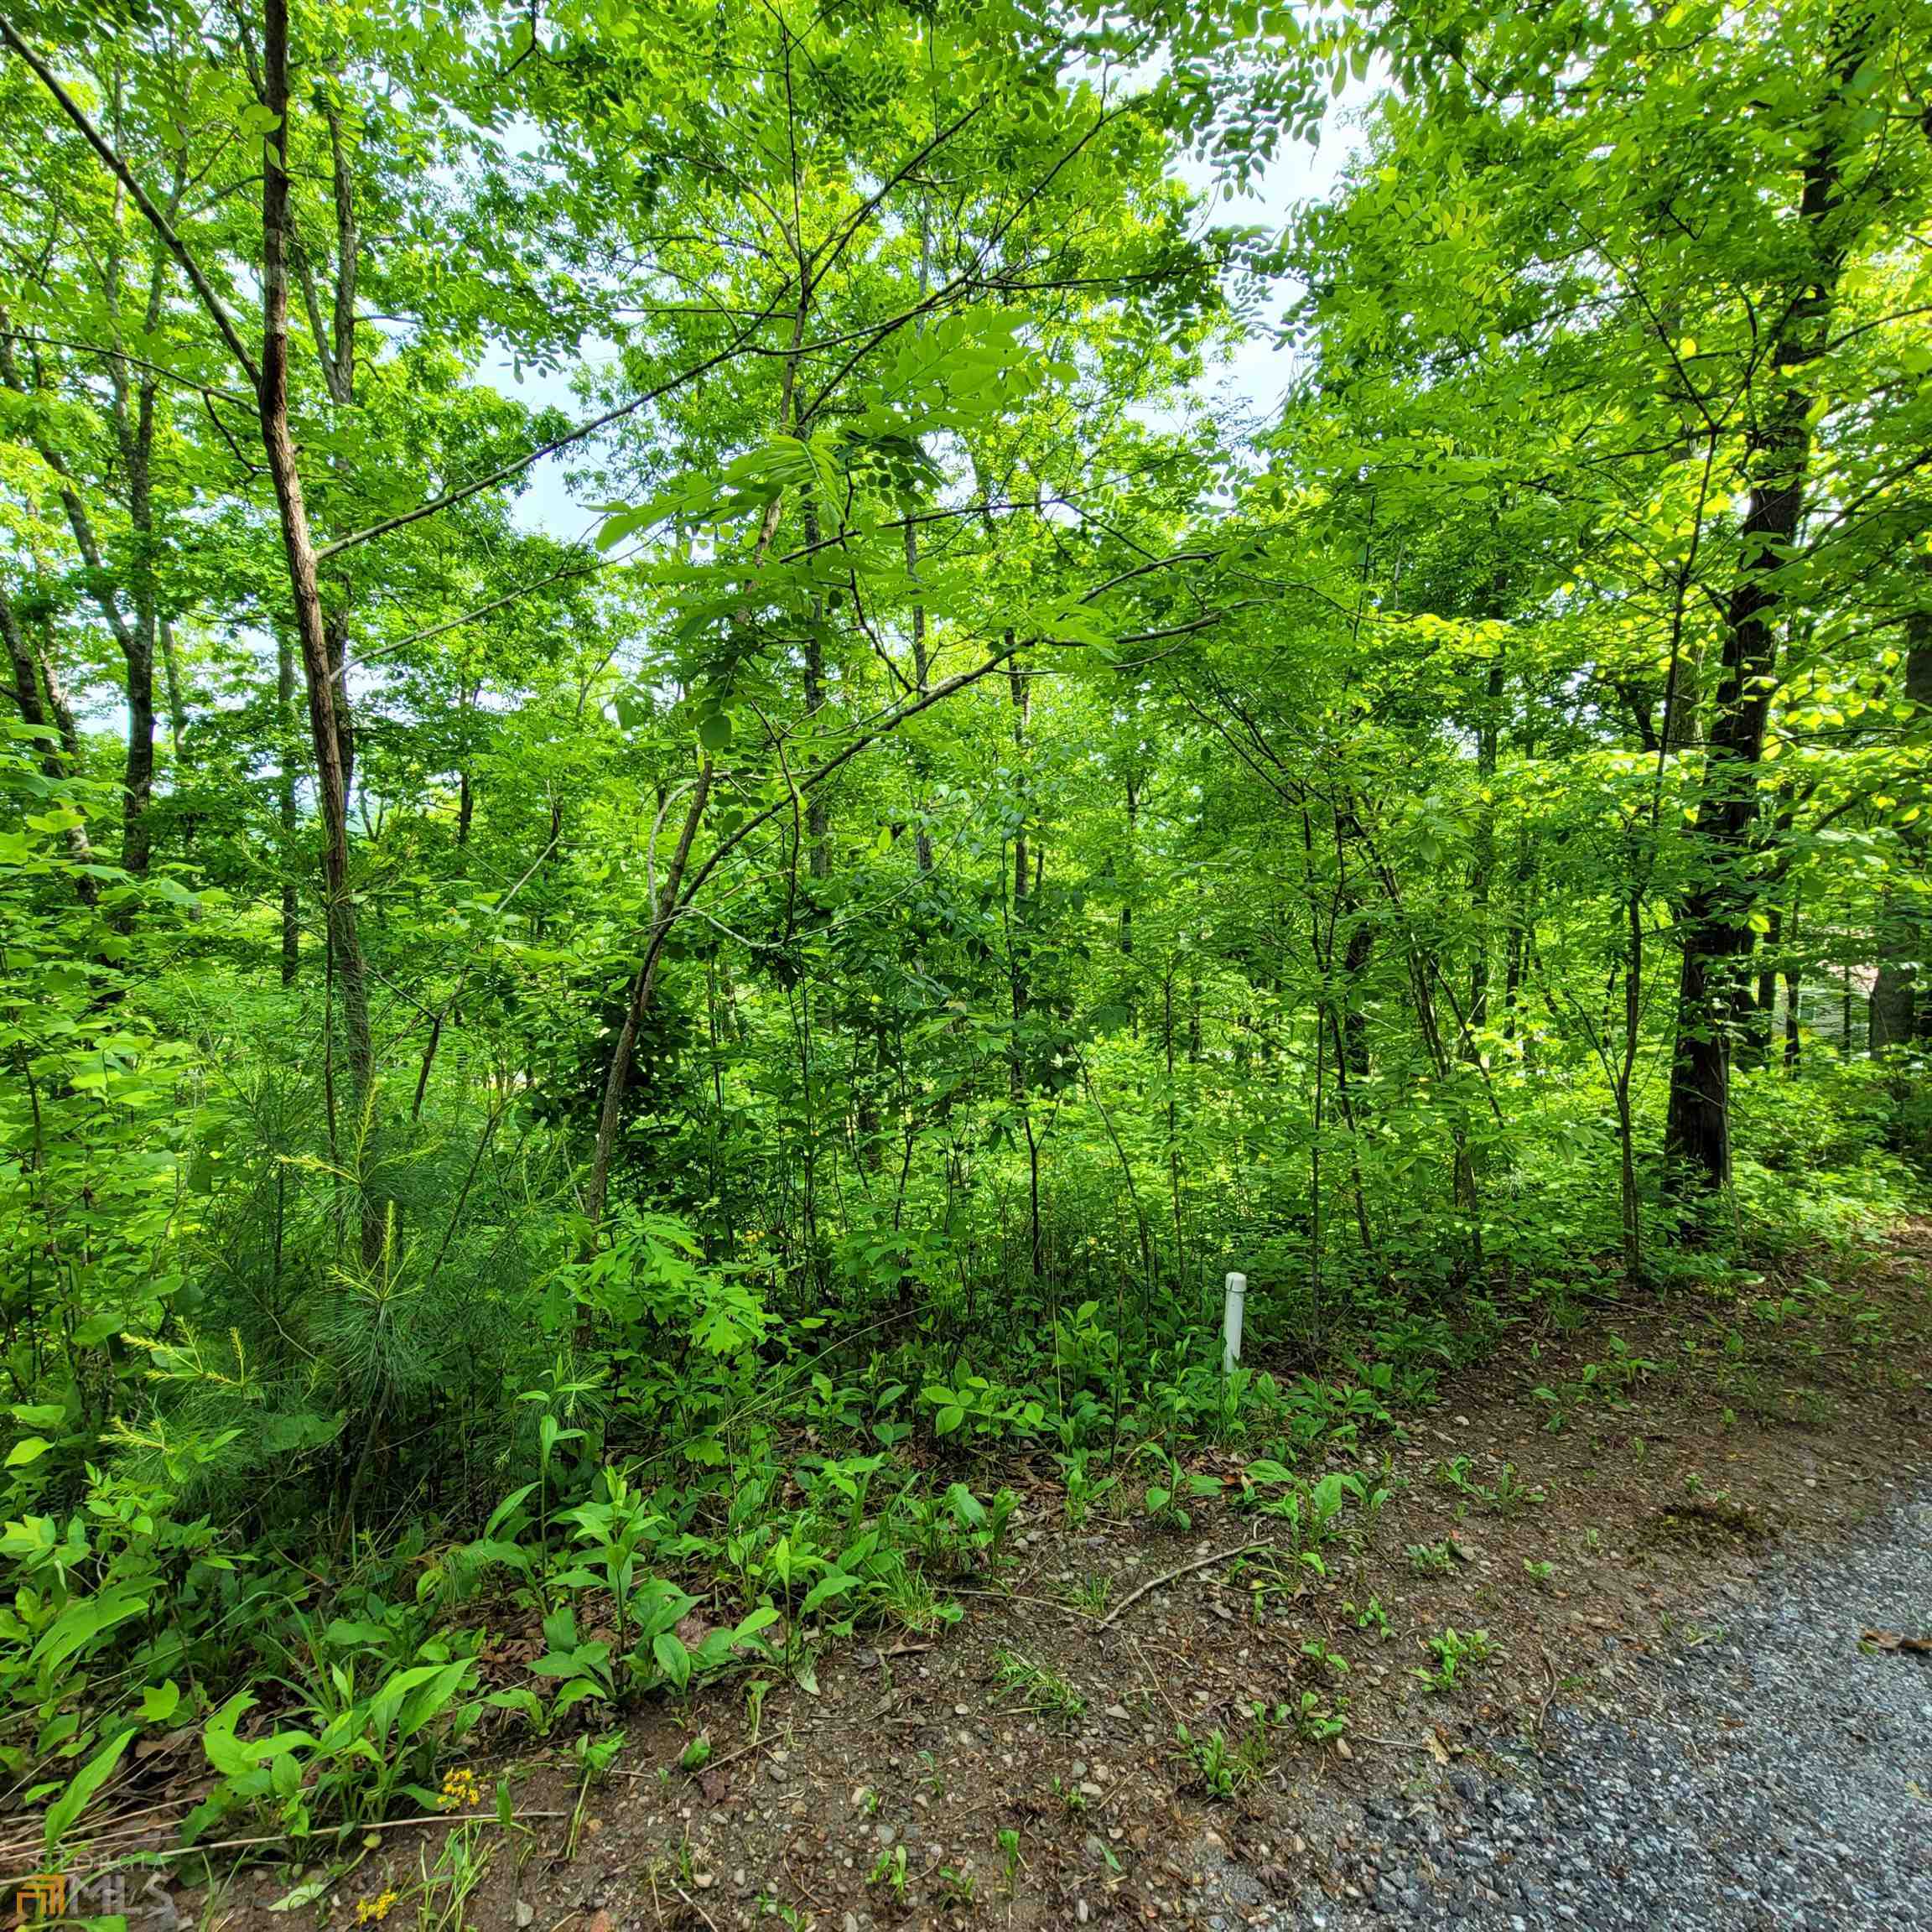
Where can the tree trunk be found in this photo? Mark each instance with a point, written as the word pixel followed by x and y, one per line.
pixel 134 432
pixel 1902 994
pixel 177 700
pixel 327 703
pixel 20 659
pixel 54 758
pixel 1714 917
pixel 609 1113
pixel 1483 862
pixel 1017 942
pixel 922 669
pixel 138 773
pixel 1357 950
pixel 285 804
pixel 817 812
pixel 139 646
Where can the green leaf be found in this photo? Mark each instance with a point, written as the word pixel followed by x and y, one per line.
pixel 82 1621
pixel 159 1702
pixel 965 1505
pixel 837 1583
pixel 518 1697
pixel 574 1693
pixel 225 1752
pixel 673 1660
pixel 748 1627
pixel 62 1812
pixel 306 1893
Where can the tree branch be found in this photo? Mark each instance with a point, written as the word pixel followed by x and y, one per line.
pixel 218 312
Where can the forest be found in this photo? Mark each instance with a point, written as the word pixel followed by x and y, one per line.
pixel 738 731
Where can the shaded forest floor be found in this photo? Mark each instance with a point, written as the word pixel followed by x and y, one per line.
pixel 1022 1769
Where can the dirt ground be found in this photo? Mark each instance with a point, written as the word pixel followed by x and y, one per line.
pixel 1021 1769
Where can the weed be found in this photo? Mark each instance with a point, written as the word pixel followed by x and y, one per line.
pixel 1084 1490
pixel 1317 1652
pixel 1045 1692
pixel 1511 1494
pixel 447 1886
pixel 1269 1577
pixel 955 1889
pixel 1508 1494
pixel 1162 1498
pixel 890 1871
pixel 1315 1514
pixel 1369 1616
pixel 1455 1654
pixel 1431 1559
pixel 754 1694
pixel 1092 1593
pixel 1006 1843
pixel 1316 1721
pixel 594 1756
pixel 1225 1767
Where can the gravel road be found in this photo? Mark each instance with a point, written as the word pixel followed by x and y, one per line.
pixel 1775 1776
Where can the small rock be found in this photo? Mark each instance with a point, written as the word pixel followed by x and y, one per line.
pixel 526 1912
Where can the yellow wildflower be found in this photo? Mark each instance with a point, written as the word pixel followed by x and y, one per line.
pixel 373 1911
pixel 461 1790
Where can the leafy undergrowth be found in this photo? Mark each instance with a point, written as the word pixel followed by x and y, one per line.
pixel 959 1695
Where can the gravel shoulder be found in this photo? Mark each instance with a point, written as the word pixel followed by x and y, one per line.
pixel 1775 1771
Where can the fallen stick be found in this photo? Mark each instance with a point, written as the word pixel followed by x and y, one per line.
pixel 1153 1683
pixel 348 1830
pixel 1891 1642
pixel 1133 1597
pixel 696 1907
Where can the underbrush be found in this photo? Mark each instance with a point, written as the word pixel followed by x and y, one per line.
pixel 347 1517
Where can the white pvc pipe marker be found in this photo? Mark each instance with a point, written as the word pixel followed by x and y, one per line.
pixel 1231 1323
